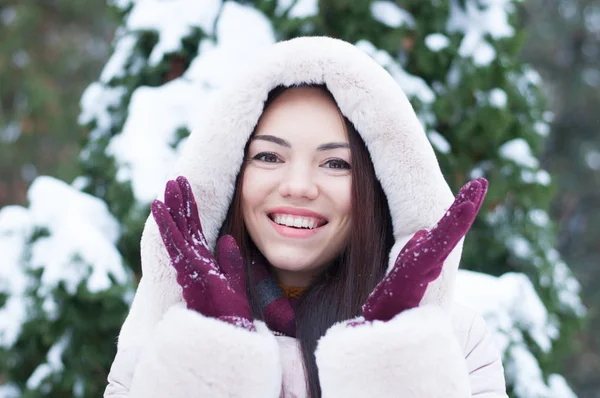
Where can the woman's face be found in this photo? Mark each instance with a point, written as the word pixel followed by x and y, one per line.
pixel 296 186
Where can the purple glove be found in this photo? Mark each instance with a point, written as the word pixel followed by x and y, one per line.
pixel 422 258
pixel 215 288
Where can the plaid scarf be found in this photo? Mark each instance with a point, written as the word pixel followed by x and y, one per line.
pixel 277 310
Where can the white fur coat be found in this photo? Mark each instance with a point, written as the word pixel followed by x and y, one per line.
pixel 164 350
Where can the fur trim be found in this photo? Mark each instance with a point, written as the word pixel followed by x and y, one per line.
pixel 420 359
pixel 194 356
pixel 402 156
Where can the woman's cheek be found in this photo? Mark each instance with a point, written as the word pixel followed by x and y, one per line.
pixel 258 184
pixel 340 189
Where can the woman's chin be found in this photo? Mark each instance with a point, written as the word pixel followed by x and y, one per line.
pixel 292 272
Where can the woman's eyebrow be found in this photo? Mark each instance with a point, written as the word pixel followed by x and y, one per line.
pixel 280 141
pixel 333 145
pixel 273 139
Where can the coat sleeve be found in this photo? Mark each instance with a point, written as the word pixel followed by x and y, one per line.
pixel 416 354
pixel 166 350
pixel 486 373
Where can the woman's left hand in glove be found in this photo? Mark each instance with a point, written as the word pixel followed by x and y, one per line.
pixel 421 260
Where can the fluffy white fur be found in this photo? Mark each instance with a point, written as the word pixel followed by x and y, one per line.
pixel 404 162
pixel 421 358
pixel 190 355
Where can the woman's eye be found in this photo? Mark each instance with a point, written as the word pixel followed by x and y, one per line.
pixel 267 157
pixel 337 164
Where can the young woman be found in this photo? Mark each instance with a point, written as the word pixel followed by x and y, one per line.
pixel 309 179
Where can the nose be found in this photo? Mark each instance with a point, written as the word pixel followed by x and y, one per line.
pixel 299 182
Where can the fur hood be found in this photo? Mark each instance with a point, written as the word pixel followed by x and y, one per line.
pixel 367 95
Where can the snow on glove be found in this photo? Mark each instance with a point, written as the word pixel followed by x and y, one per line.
pixel 215 288
pixel 422 258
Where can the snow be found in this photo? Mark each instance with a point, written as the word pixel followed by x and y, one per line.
pixel 567 9
pixel 82 232
pixel 525 372
pixel 115 67
pixel 304 9
pixel 591 77
pixel 568 288
pixel 143 151
pixel 437 41
pixel 548 116
pixel 10 391
pixel 541 177
pixel 532 76
pixel 519 151
pixel 509 304
pixel 439 142
pixel 511 307
pixel 122 4
pixel 413 86
pixel 10 133
pixel 79 388
pixel 173 20
pixel 475 173
pixel 297 8
pixel 592 159
pixel 477 22
pixel 482 56
pixel 519 246
pixel 241 31
pixel 498 98
pixel 28 172
pixel 539 217
pixel 52 365
pixel 527 83
pixel 15 228
pixel 283 6
pixel 389 14
pixel 592 19
pixel 8 15
pixel 559 387
pixel 497 216
pixel 454 75
pixel 20 58
pixel 543 129
pixel 96 102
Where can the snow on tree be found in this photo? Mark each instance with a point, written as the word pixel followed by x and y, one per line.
pixel 456 60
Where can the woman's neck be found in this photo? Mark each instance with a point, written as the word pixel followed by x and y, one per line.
pixel 293 292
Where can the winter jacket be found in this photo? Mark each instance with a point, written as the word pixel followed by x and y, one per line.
pixel 439 349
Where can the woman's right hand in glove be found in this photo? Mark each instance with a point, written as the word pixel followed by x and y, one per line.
pixel 215 287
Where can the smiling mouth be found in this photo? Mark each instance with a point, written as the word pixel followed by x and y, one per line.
pixel 297 222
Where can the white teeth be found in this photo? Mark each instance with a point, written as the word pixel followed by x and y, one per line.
pixel 298 222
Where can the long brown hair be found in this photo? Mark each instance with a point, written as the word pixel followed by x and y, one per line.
pixel 340 291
